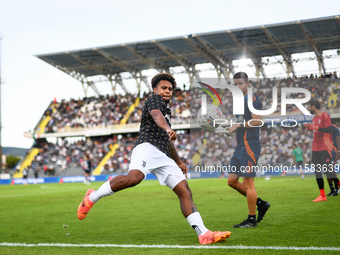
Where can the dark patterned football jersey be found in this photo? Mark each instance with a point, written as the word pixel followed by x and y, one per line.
pixel 243 133
pixel 149 132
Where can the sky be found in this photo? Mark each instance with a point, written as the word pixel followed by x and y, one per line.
pixel 30 28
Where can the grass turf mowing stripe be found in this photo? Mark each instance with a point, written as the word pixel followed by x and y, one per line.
pixel 236 247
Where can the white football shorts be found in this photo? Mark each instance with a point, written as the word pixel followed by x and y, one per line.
pixel 147 158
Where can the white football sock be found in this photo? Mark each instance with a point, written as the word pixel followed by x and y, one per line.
pixel 196 222
pixel 103 191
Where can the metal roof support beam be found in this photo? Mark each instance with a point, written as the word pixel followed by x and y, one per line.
pixel 192 72
pixel 74 74
pixel 315 47
pixel 85 88
pixel 113 87
pixel 126 66
pixel 229 71
pixel 151 62
pixel 139 82
pixel 290 66
pixel 98 70
pixel 258 67
pixel 118 79
pixel 283 51
pixel 145 81
pixel 223 62
pixel 80 77
pixel 226 73
pixel 253 56
pixel 222 70
pixel 117 62
pixel 88 65
pixel 139 78
pixel 189 67
pixel 208 56
pixel 337 18
pixel 93 86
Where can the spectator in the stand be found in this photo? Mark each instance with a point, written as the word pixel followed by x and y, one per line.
pixel 51 169
pixel 90 112
pixel 53 157
pixel 87 170
pixel 298 159
pixel 106 169
pixel 46 172
pixel 24 175
pixel 36 170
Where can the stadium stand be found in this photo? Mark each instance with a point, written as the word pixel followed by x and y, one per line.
pixel 67 159
pixel 108 111
pixel 89 112
pixel 111 154
pixel 323 89
pixel 218 150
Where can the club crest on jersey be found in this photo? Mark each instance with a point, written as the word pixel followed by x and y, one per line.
pixel 240 118
pixel 143 163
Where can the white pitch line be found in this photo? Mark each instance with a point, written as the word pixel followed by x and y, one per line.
pixel 161 246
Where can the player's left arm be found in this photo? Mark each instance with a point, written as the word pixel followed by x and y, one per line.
pixel 175 157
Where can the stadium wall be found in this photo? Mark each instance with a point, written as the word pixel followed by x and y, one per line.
pixel 103 178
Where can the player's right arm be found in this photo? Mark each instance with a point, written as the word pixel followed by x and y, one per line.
pixel 315 127
pixel 326 120
pixel 160 121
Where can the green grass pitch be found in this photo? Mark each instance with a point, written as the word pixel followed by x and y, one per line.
pixel 149 214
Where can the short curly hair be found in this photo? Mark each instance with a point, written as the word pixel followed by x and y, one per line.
pixel 163 77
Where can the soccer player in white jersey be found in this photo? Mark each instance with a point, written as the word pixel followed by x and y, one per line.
pixel 154 152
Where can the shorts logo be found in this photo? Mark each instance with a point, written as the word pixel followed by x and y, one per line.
pixel 144 163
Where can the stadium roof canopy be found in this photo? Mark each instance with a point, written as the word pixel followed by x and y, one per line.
pixel 218 48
